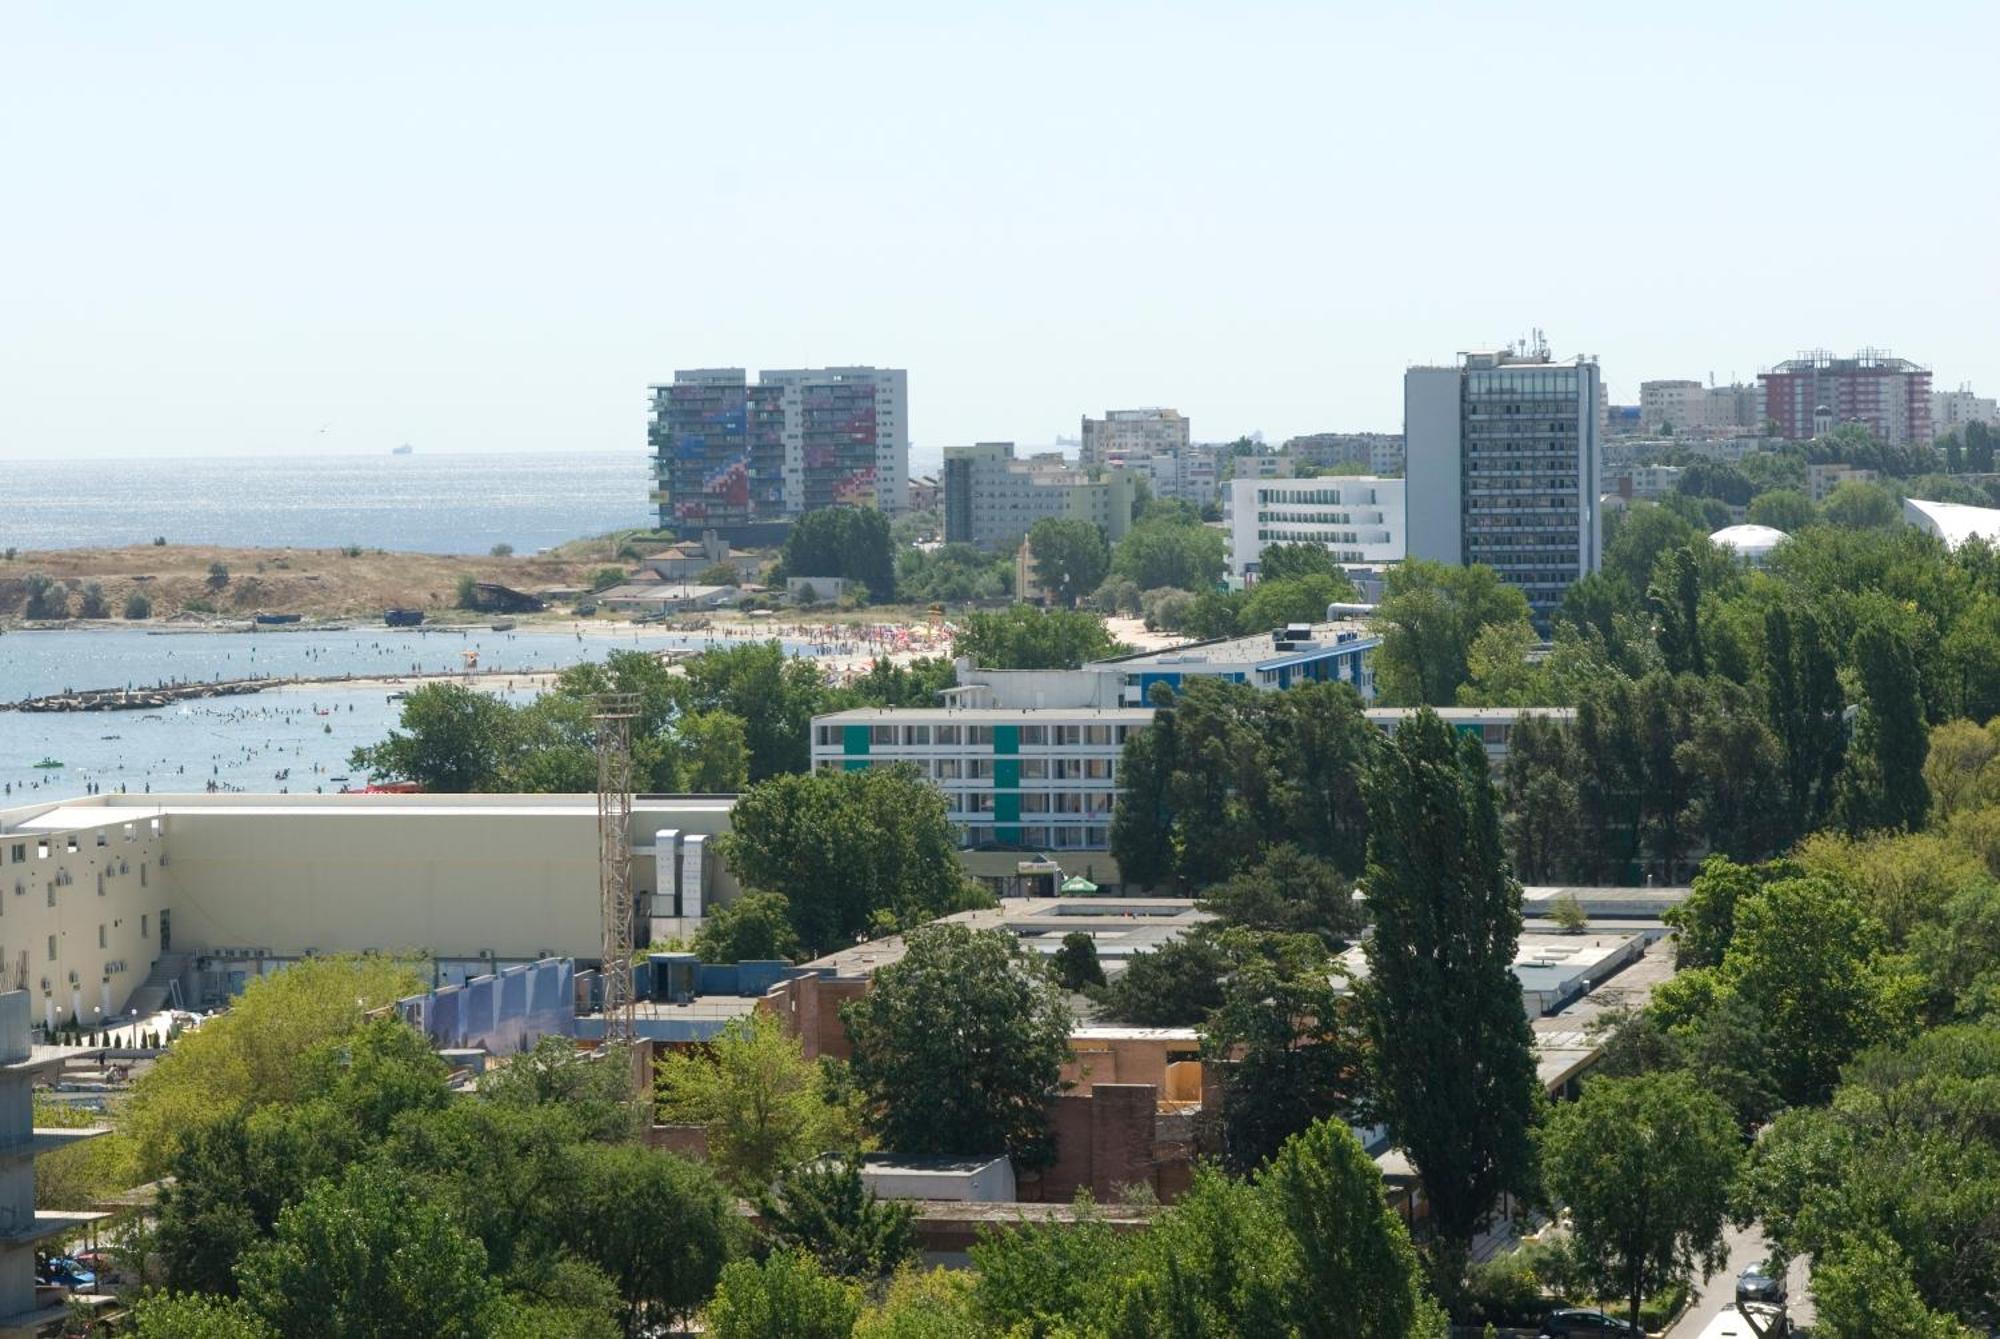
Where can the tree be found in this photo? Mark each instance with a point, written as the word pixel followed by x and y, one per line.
pixel 787 1297
pixel 953 573
pixel 960 1045
pixel 1075 963
pixel 1644 533
pixel 1706 922
pixel 756 927
pixel 936 1304
pixel 1275 603
pixel 849 542
pixel 1859 506
pixel 659 1225
pixel 196 1316
pixel 594 1094
pixel 265 1049
pixel 1071 557
pixel 1784 509
pixel 1171 549
pixel 218 576
pixel 1286 1044
pixel 1802 689
pixel 826 1208
pixel 1540 783
pixel 1354 1273
pixel 1430 615
pixel 844 846
pixel 1645 1167
pixel 1884 785
pixel 773 694
pixel 362 1258
pixel 137 606
pixel 1175 985
pixel 1803 956
pixel 47 597
pixel 1289 892
pixel 453 739
pixel 94 605
pixel 1441 1003
pixel 1675 599
pixel 764 1106
pixel 1023 637
pixel 1284 562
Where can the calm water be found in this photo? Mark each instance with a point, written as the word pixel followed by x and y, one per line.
pixel 294 739
pixel 433 504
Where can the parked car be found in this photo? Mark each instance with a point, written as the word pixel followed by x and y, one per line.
pixel 1575 1321
pixel 68 1272
pixel 1763 1282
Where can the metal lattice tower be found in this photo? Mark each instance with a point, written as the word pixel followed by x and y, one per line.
pixel 613 717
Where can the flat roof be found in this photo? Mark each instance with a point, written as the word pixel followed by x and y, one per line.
pixel 981 715
pixel 1140 922
pixel 1468 715
pixel 1247 649
pixel 82 813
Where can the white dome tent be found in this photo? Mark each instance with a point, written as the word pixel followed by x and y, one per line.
pixel 1751 543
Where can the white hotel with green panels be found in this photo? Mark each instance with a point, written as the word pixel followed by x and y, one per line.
pixel 1042 779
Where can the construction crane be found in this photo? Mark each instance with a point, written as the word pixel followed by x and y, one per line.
pixel 613 717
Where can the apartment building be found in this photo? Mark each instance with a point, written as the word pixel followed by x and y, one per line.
pixel 1044 779
pixel 1355 518
pixel 1685 407
pixel 745 459
pixel 1502 468
pixel 992 499
pixel 1954 411
pixel 1821 480
pixel 1377 453
pixel 1814 393
pixel 1128 434
pixel 1190 474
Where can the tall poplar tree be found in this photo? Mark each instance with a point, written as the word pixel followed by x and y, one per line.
pixel 1453 1058
pixel 1802 686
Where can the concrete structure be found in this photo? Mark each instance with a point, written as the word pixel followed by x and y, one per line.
pixel 25 1308
pixel 1686 408
pixel 1493 727
pixel 1377 453
pixel 1336 652
pixel 1356 519
pixel 992 499
pixel 1645 483
pixel 1262 465
pixel 1553 969
pixel 200 893
pixel 1754 544
pixel 819 590
pixel 1814 393
pixel 975 1179
pixel 1502 468
pixel 743 459
pixel 1953 522
pixel 1128 434
pixel 670 597
pixel 1821 480
pixel 1035 779
pixel 690 558
pixel 1190 474
pixel 1955 411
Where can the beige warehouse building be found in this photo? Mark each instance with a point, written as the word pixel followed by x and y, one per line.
pixel 111 903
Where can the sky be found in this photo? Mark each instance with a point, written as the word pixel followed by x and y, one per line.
pixel 248 228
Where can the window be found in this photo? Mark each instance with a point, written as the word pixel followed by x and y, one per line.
pixel 1097 769
pixel 917 734
pixel 1034 769
pixel 979 736
pixel 142 874
pixel 979 769
pixel 1067 736
pixel 1034 735
pixel 826 736
pixel 52 948
pixel 145 925
pixel 20 851
pixel 1097 734
pixel 947 734
pixel 948 769
pixel 52 893
pixel 881 734
pixel 101 940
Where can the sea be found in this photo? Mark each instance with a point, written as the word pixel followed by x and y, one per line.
pixel 449 503
pixel 284 740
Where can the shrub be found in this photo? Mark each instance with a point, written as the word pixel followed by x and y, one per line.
pixel 138 606
pixel 607 577
pixel 468 592
pixel 94 604
pixel 350 550
pixel 159 542
pixel 47 597
pixel 502 550
pixel 218 576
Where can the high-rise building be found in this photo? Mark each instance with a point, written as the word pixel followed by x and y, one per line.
pixel 1816 392
pixel 1954 411
pixel 745 459
pixel 1127 434
pixel 993 500
pixel 1690 407
pixel 1502 467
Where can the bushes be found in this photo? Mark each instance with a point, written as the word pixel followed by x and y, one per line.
pixel 137 605
pixel 47 597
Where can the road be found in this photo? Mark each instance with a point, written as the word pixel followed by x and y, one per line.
pixel 1746 1248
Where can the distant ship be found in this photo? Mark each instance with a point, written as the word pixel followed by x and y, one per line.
pixel 404 450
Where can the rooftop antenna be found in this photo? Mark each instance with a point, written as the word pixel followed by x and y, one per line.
pixel 613 718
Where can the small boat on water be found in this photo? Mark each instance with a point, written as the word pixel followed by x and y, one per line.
pixel 402 618
pixel 504 625
pixel 404 450
pixel 274 620
pixel 48 763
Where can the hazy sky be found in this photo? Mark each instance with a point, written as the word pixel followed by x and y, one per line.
pixel 249 227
